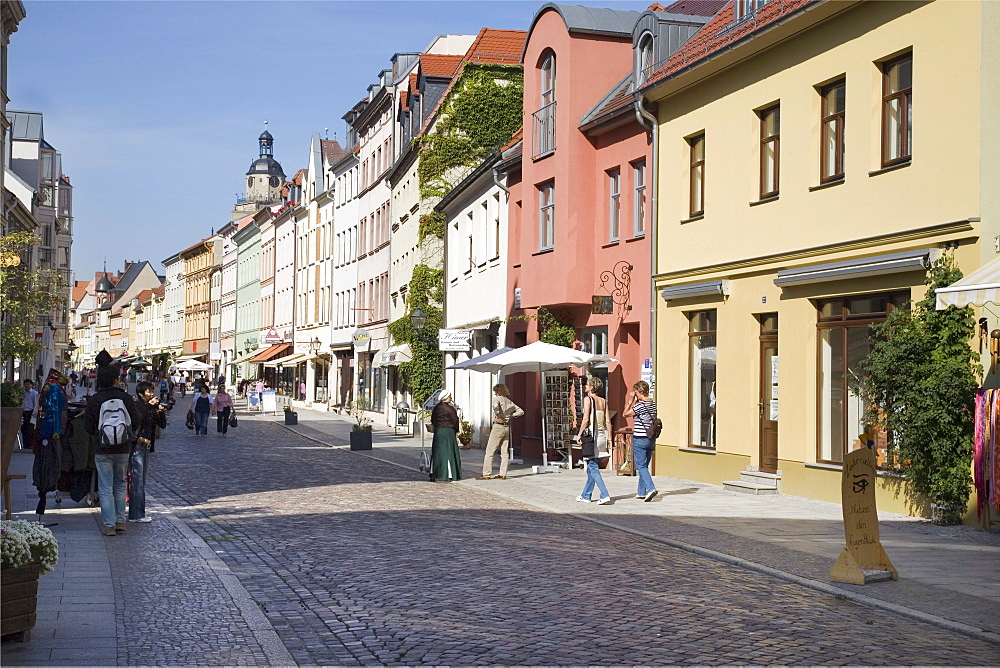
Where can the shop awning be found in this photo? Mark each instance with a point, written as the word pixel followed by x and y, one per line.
pixel 979 288
pixel 892 263
pixel 270 353
pixel 395 355
pixel 287 360
pixel 703 289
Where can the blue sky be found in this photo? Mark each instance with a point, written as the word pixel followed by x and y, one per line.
pixel 156 106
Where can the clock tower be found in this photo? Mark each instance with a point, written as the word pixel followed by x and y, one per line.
pixel 264 180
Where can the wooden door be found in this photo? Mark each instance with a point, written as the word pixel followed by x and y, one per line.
pixel 768 403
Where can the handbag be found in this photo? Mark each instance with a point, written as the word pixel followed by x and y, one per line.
pixel 588 442
pixel 232 420
pixel 190 420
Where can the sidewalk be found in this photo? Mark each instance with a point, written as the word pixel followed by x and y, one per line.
pixel 949 576
pixel 103 606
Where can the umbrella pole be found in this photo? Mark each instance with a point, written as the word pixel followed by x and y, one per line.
pixel 545 431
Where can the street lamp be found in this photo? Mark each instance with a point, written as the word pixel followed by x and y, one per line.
pixel 315 345
pixel 418 319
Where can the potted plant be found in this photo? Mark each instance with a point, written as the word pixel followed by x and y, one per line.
pixel 361 432
pixel 27 550
pixel 465 434
pixel 291 417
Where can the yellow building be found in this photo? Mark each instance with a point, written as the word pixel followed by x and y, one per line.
pixel 199 260
pixel 814 156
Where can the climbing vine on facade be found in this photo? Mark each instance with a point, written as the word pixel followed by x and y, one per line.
pixel 431 225
pixel 423 372
pixel 480 115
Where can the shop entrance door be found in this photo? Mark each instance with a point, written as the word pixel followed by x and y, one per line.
pixel 769 393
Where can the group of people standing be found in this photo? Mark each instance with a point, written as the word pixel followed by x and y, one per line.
pixel 446 463
pixel 124 430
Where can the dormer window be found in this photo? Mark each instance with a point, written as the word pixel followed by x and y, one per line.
pixel 744 9
pixel 645 58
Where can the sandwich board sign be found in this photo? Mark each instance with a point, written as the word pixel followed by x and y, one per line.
pixel 863 560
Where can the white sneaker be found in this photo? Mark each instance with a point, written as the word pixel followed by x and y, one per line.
pixel 582 500
pixel 605 501
pixel 143 520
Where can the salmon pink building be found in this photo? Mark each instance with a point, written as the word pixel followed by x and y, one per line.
pixel 581 203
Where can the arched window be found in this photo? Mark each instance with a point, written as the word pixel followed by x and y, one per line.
pixel 547 84
pixel 544 126
pixel 645 58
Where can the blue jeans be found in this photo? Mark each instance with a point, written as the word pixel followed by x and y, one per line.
pixel 201 423
pixel 111 481
pixel 138 464
pixel 642 452
pixel 594 478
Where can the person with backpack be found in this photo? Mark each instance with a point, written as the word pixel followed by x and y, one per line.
pixel 111 414
pixel 639 406
pixel 151 416
pixel 202 404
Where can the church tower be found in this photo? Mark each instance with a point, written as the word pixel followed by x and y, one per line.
pixel 264 180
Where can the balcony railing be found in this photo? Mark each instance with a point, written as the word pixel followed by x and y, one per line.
pixel 544 131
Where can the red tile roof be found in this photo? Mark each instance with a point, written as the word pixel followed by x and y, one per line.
pixel 694 7
pixel 159 291
pixel 493 45
pixel 518 136
pixel 720 33
pixel 434 65
pixel 332 150
pixel 144 295
pixel 79 292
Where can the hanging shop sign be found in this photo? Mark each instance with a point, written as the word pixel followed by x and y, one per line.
pixel 361 338
pixel 602 305
pixel 455 340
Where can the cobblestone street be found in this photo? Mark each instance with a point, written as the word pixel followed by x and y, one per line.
pixel 354 560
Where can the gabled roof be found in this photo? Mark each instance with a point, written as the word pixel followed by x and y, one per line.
pixel 434 65
pixel 720 33
pixel 79 292
pixel 494 45
pixel 518 136
pixel 332 150
pixel 159 291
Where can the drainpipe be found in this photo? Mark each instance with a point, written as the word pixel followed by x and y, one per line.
pixel 496 179
pixel 646 119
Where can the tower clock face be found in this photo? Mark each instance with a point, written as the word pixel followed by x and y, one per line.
pixel 249 182
pixel 274 181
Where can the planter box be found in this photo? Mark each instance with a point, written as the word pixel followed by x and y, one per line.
pixel 291 418
pixel 361 440
pixel 19 592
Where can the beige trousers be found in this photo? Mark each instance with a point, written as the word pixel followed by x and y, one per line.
pixel 499 438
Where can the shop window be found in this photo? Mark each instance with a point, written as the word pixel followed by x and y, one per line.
pixel 702 374
pixel 844 342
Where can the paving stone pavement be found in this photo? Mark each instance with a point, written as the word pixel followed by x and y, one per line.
pixel 357 561
pixel 271 548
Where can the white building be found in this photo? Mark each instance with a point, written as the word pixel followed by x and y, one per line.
pixel 175 289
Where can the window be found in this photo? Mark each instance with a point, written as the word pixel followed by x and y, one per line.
pixel 697 175
pixel 639 205
pixel 831 166
pixel 844 341
pixel 544 137
pixel 546 216
pixel 770 138
pixel 701 392
pixel 743 9
pixel 614 204
pixel 897 113
pixel 645 58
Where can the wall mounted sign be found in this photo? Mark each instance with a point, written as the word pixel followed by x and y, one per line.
pixel 455 340
pixel 602 305
pixel 361 338
pixel 272 336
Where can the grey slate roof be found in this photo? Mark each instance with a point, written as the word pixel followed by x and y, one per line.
pixel 26 125
pixel 593 19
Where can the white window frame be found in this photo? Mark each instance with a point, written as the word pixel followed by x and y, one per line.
pixel 546 216
pixel 639 198
pixel 614 203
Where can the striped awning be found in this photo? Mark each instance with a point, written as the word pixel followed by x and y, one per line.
pixel 979 288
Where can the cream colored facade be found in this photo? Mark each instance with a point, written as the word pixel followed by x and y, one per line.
pixel 939 199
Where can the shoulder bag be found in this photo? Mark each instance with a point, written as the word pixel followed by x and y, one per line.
pixel 588 440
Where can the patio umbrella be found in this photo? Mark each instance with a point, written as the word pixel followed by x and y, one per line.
pixel 193 365
pixel 470 363
pixel 537 357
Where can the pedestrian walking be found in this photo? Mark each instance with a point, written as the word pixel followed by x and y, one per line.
pixel 596 427
pixel 639 406
pixel 223 408
pixel 111 412
pixel 446 463
pixel 28 405
pixel 164 389
pixel 502 409
pixel 182 383
pixel 152 415
pixel 302 391
pixel 201 404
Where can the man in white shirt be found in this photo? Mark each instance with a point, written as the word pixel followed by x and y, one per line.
pixel 28 406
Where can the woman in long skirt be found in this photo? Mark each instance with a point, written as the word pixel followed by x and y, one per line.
pixel 446 463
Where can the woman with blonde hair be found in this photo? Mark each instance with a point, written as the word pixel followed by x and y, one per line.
pixel 503 410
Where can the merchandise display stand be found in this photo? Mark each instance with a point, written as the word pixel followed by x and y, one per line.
pixel 557 421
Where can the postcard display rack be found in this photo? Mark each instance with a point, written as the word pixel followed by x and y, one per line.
pixel 558 427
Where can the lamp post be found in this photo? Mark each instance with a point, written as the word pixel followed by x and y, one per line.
pixel 418 319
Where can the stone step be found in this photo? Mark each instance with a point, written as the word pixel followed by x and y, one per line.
pixel 744 487
pixel 760 478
